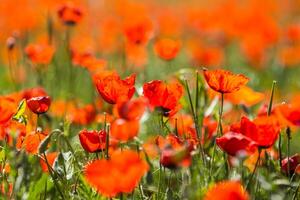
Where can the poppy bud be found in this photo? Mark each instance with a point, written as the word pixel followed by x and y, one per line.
pixel 294 161
pixel 39 105
pixel 92 141
pixel 173 158
pixel 10 43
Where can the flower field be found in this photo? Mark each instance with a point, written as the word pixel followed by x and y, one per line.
pixel 149 99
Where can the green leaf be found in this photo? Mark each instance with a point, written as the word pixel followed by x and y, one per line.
pixel 19 116
pixel 67 125
pixel 2 155
pixel 44 144
pixel 38 188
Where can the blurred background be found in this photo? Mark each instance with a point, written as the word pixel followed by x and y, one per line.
pixel 259 38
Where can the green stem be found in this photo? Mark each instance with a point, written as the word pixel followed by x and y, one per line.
pixel 219 133
pixel 296 192
pixel 288 133
pixel 271 98
pixel 195 117
pixel 280 151
pixel 255 168
pixel 159 180
pixel 107 144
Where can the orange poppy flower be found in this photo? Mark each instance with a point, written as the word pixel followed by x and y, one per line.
pixel 11 129
pixel 289 56
pixel 236 143
pixel 227 190
pixel 82 115
pixel 112 88
pixel 40 54
pixel 132 109
pixel 166 48
pixel 293 32
pixel 39 105
pixel 138 30
pixel 7 109
pixel 163 96
pixel 124 130
pixel 290 112
pixel 92 141
pixel 70 14
pixel 32 141
pixel 88 61
pixel 136 55
pixel 6 168
pixel 50 159
pixel 124 167
pixel 76 114
pixel 245 96
pixel 224 81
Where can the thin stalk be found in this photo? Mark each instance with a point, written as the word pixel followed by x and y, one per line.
pixel 107 143
pixel 159 180
pixel 141 191
pixel 271 98
pixel 176 127
pixel 255 168
pixel 296 192
pixel 195 121
pixel 221 115
pixel 280 150
pixel 50 169
pixel 288 134
pixel 219 133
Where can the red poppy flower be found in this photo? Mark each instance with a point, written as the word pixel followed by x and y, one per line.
pixel 50 159
pixel 293 164
pixel 39 105
pixel 174 151
pixel 39 53
pixel 69 14
pixel 167 49
pixel 235 143
pixel 224 81
pixel 227 190
pixel 133 109
pixel 92 141
pixel 125 168
pixel 34 92
pixel 164 96
pixel 263 130
pixel 173 158
pixel 124 130
pixel 112 88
